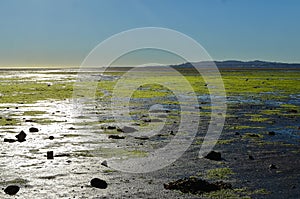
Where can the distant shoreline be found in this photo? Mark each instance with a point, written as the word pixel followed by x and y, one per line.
pixel 222 65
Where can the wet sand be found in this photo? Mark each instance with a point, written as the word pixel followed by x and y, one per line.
pixel 81 143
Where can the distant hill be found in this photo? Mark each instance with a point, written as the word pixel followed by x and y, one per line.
pixel 242 65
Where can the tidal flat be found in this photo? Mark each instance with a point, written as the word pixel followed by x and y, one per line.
pixel 259 144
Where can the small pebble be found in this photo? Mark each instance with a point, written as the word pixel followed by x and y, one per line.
pixel 50 155
pixel 273 166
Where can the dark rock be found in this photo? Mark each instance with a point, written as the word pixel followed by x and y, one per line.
pixel 142 138
pixel 293 187
pixel 12 189
pixel 127 129
pixel 33 130
pixel 271 133
pixel 62 155
pixel 214 156
pixel 98 183
pixel 29 120
pixel 146 120
pixel 116 137
pixel 21 136
pixel 273 166
pixel 50 155
pixel 251 157
pixel 237 133
pixel 51 137
pixel 156 120
pixel 293 111
pixel 111 127
pixel 104 163
pixel 71 128
pixel 69 161
pixel 253 135
pixel 9 140
pixel 196 185
pixel 246 79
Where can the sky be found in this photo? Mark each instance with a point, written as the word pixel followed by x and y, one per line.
pixel 63 32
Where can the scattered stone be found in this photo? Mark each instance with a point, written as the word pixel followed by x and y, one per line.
pixel 251 157
pixel 21 136
pixel 247 79
pixel 69 161
pixel 111 127
pixel 62 155
pixel 273 166
pixel 29 120
pixel 214 156
pixel 50 155
pixel 98 183
pixel 196 186
pixel 271 133
pixel 293 111
pixel 51 137
pixel 293 187
pixel 33 130
pixel 253 135
pixel 9 140
pixel 12 190
pixel 127 129
pixel 156 120
pixel 17 107
pixel 104 163
pixel 237 133
pixel 142 138
pixel 116 137
pixel 146 120
pixel 71 128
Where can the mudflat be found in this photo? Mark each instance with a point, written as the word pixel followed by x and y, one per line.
pixel 259 144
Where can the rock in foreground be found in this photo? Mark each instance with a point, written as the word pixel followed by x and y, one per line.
pixel 33 130
pixel 214 156
pixel 196 186
pixel 12 189
pixel 21 136
pixel 98 183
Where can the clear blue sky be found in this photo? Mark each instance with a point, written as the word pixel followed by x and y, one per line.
pixel 62 32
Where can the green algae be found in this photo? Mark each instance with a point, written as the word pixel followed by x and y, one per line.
pixel 219 173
